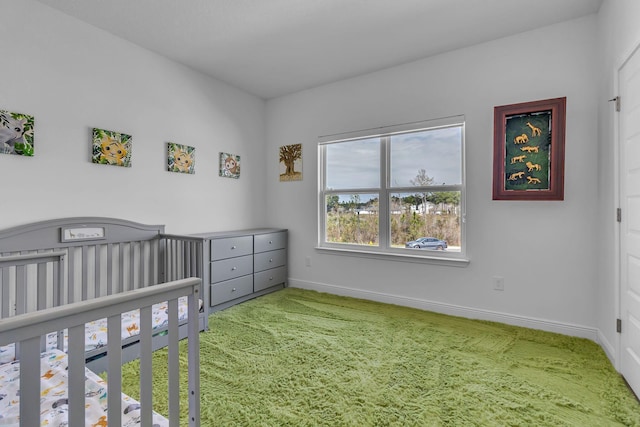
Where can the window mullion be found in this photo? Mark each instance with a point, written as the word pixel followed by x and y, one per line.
pixel 383 201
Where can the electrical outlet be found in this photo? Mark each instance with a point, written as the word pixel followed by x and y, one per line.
pixel 498 283
pixel 307 261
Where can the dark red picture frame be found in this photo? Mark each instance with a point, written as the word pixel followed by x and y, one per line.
pixel 528 150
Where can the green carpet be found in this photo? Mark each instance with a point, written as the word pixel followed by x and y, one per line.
pixel 302 358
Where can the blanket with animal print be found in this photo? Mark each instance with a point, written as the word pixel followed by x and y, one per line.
pixel 96 332
pixel 54 396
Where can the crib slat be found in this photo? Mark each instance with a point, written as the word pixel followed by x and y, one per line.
pixel 109 269
pixel 194 358
pixel 132 263
pixel 41 280
pixel 76 376
pixel 174 260
pixel 114 375
pixel 142 262
pixel 173 362
pixel 71 280
pixel 146 369
pixel 121 286
pixel 57 280
pixel 6 289
pixel 30 381
pixel 97 292
pixel 186 259
pixel 85 274
pixel 153 253
pixel 21 289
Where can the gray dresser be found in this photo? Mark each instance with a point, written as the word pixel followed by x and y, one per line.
pixel 243 264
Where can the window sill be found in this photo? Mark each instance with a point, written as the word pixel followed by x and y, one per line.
pixel 390 256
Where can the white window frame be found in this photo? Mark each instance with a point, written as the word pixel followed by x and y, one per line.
pixel 384 250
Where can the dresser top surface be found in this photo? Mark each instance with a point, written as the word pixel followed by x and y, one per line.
pixel 237 233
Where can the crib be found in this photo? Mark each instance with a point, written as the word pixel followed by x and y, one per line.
pixel 26 331
pixel 62 261
pixel 49 267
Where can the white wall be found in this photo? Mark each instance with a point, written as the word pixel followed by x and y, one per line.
pixel 618 35
pixel 544 250
pixel 73 77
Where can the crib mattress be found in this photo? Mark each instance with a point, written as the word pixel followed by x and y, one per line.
pixel 54 395
pixel 96 332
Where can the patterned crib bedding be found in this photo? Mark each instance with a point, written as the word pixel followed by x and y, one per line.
pixel 54 396
pixel 96 332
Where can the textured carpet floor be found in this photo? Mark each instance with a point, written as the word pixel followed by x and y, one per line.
pixel 302 358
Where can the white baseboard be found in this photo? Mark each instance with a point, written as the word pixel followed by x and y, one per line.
pixel 609 349
pixel 461 311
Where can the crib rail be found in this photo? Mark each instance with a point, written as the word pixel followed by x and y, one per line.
pixel 26 329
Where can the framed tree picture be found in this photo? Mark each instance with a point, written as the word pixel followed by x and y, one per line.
pixel 528 150
pixel 291 162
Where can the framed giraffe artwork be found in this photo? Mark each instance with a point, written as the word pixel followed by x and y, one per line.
pixel 528 150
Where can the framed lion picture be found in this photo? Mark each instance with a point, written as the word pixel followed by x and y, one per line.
pixel 111 148
pixel 181 158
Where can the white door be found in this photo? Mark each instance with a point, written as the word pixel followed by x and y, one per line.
pixel 629 134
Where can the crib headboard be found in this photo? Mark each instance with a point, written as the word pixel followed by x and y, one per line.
pixel 78 231
pixel 55 262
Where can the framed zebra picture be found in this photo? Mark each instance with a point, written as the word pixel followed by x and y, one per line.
pixel 528 150
pixel 16 133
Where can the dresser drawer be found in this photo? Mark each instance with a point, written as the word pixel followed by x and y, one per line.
pixel 231 247
pixel 231 289
pixel 267 260
pixel 231 268
pixel 270 241
pixel 268 278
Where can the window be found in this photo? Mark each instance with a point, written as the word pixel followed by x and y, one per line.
pixel 400 191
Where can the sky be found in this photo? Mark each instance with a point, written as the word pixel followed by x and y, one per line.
pixel 356 164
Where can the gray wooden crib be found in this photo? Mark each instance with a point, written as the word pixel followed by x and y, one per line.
pixel 57 262
pixel 62 269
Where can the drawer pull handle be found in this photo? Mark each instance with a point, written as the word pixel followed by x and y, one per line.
pixel 270 259
pixel 234 268
pixel 270 278
pixel 233 290
pixel 233 247
pixel 270 242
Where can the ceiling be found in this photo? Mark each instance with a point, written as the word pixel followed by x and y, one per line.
pixel 275 47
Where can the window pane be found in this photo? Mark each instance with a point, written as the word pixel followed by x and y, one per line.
pixel 430 157
pixel 432 215
pixel 353 164
pixel 352 218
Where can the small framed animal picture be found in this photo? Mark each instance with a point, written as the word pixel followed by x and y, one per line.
pixel 16 133
pixel 181 158
pixel 528 150
pixel 229 165
pixel 111 148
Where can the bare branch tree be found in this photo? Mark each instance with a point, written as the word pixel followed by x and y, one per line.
pixel 422 180
pixel 288 155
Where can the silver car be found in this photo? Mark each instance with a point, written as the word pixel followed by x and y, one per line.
pixel 427 243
